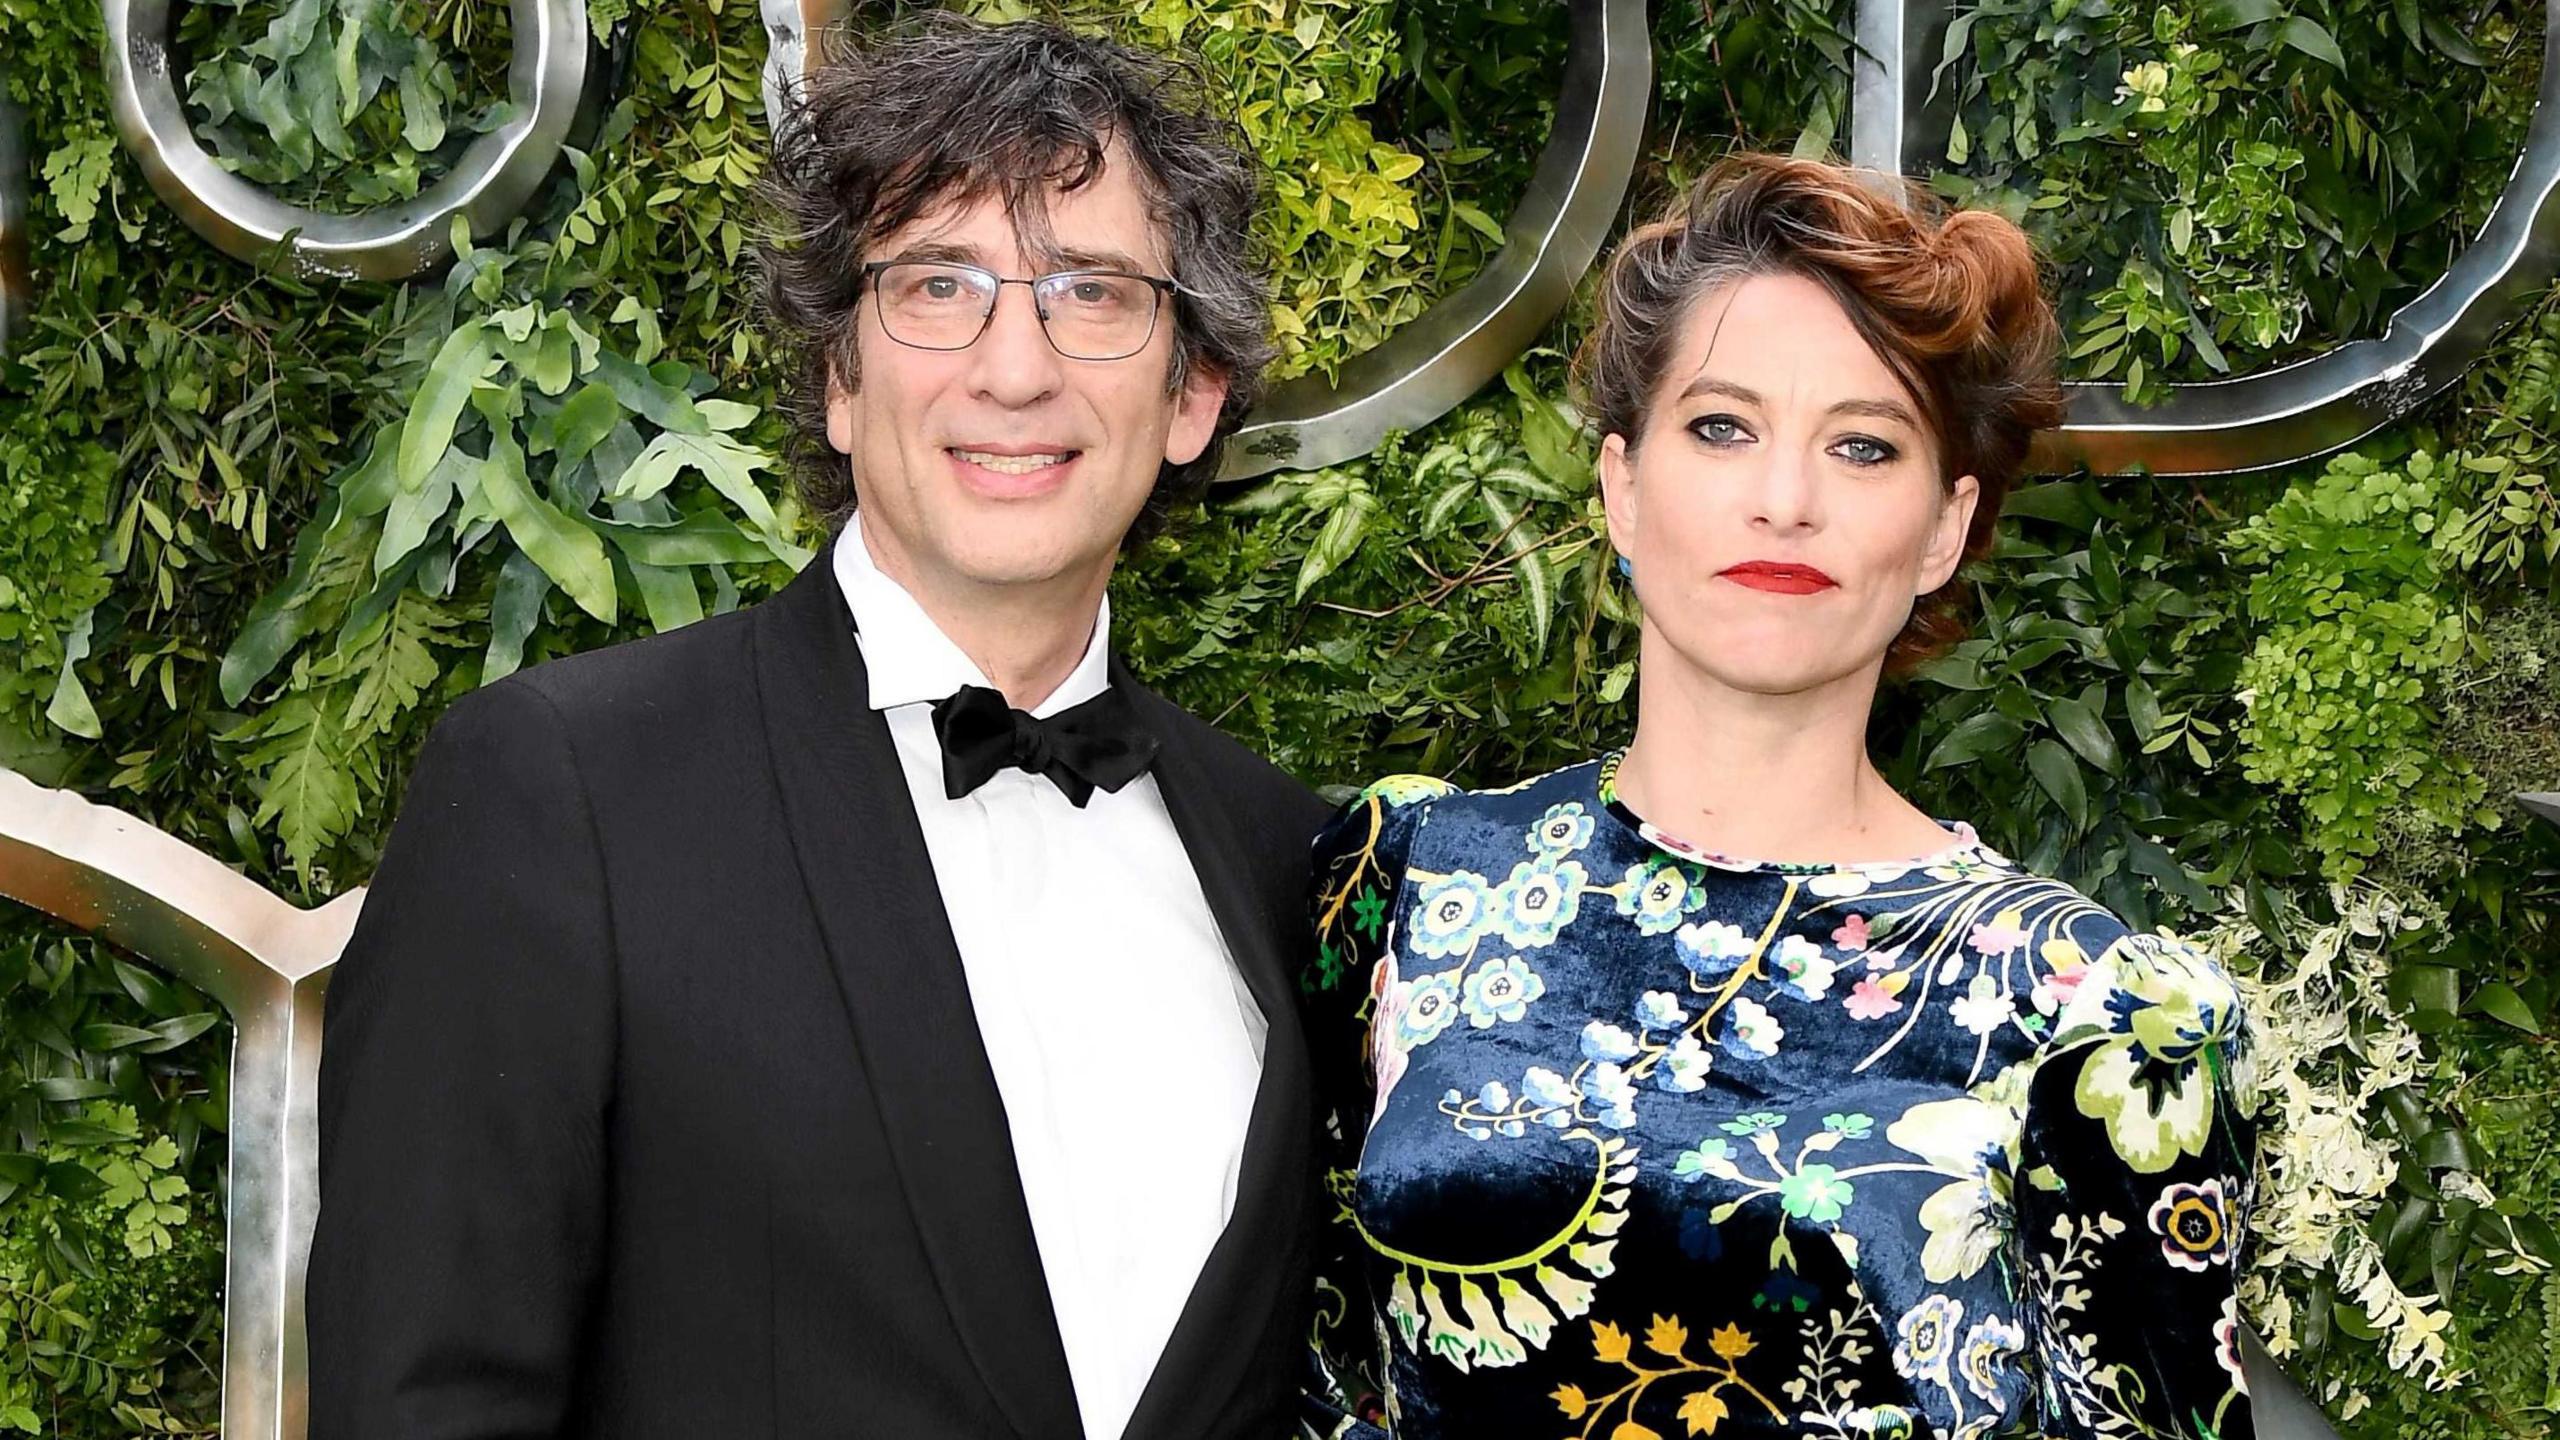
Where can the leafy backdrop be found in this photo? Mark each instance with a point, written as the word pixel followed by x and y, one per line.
pixel 256 532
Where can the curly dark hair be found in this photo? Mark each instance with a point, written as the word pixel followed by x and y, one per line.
pixel 942 110
pixel 1951 301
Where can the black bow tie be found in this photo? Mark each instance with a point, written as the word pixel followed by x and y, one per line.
pixel 1096 744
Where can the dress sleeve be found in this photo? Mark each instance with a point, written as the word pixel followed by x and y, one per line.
pixel 1359 866
pixel 2132 1200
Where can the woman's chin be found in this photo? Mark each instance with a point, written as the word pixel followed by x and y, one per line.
pixel 1778 673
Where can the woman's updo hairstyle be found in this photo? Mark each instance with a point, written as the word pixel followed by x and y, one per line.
pixel 1949 300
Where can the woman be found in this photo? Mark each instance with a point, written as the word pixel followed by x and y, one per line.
pixel 1873 1133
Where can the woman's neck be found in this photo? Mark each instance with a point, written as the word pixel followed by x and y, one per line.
pixel 1767 777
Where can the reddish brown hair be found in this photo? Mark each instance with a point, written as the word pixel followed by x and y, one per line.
pixel 1951 301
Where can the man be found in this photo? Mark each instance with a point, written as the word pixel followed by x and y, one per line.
pixel 867 1014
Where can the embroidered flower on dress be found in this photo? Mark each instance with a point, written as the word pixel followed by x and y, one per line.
pixel 1816 1192
pixel 1883 1422
pixel 1602 1041
pixel 1500 990
pixel 1926 1337
pixel 1803 970
pixel 1751 1029
pixel 2194 1225
pixel 1612 1096
pixel 1852 934
pixel 2004 934
pixel 1988 1348
pixel 1656 895
pixel 1428 1004
pixel 2069 966
pixel 1540 898
pixel 1659 1010
pixel 1450 913
pixel 1712 947
pixel 1984 1007
pixel 2226 1344
pixel 1684 1066
pixel 1711 1156
pixel 1562 830
pixel 1870 1000
pixel 1552 1094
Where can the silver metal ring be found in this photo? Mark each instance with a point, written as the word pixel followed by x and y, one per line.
pixel 2292 412
pixel 1437 360
pixel 498 173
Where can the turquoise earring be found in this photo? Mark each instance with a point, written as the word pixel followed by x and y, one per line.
pixel 1627 568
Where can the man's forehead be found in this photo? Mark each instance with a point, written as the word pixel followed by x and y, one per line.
pixel 1103 223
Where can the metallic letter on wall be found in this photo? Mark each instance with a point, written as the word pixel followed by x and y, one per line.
pixel 263 961
pixel 497 175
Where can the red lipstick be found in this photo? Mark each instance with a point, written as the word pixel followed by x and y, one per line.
pixel 1778 578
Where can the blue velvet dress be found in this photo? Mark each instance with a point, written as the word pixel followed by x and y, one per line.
pixel 1636 1141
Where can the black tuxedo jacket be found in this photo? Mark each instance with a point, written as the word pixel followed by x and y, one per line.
pixel 652 1101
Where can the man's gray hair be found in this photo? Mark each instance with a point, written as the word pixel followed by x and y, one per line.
pixel 947 111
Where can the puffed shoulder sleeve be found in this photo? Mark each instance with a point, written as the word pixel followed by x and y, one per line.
pixel 1359 865
pixel 2133 1195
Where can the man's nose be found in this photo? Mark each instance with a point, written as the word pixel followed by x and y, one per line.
pixel 1013 363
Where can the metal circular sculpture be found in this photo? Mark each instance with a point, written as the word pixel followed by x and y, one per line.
pixel 497 174
pixel 2278 416
pixel 1425 369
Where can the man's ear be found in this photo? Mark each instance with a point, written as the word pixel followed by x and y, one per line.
pixel 1618 491
pixel 1195 414
pixel 1946 544
pixel 839 412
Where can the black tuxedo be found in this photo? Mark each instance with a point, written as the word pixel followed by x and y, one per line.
pixel 653 1103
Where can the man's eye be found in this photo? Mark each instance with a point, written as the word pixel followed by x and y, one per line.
pixel 940 287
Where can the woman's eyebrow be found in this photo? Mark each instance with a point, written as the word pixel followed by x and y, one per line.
pixel 1874 409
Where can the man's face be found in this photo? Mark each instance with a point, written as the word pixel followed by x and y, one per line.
pixel 1007 463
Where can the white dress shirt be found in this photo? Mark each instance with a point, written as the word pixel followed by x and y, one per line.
pixel 1123 1040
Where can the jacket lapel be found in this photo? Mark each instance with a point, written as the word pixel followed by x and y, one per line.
pixel 1246 1288
pixel 870 879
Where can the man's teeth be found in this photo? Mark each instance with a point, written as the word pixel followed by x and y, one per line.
pixel 1010 464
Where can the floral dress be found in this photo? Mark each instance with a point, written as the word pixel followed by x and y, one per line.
pixel 1637 1141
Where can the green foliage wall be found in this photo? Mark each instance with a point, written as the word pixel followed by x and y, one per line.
pixel 255 533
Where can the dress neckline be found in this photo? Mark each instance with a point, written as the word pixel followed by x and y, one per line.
pixel 1965 846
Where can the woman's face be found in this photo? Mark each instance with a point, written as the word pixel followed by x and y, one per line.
pixel 1783 507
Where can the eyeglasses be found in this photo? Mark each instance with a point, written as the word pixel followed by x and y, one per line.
pixel 1087 314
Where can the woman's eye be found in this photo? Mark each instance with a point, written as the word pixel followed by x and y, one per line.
pixel 1860 450
pixel 1718 429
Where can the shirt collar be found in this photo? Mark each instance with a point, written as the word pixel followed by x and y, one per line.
pixel 910 660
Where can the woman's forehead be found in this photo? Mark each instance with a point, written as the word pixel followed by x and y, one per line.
pixel 1784 339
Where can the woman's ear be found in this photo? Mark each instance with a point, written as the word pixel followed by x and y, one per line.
pixel 1618 492
pixel 1945 554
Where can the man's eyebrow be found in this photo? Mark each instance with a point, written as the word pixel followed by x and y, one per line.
pixel 1078 258
pixel 1893 410
pixel 940 251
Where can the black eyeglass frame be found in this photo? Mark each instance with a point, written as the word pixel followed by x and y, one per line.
pixel 867 278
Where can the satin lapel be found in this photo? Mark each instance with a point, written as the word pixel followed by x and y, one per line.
pixel 1244 1288
pixel 863 859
